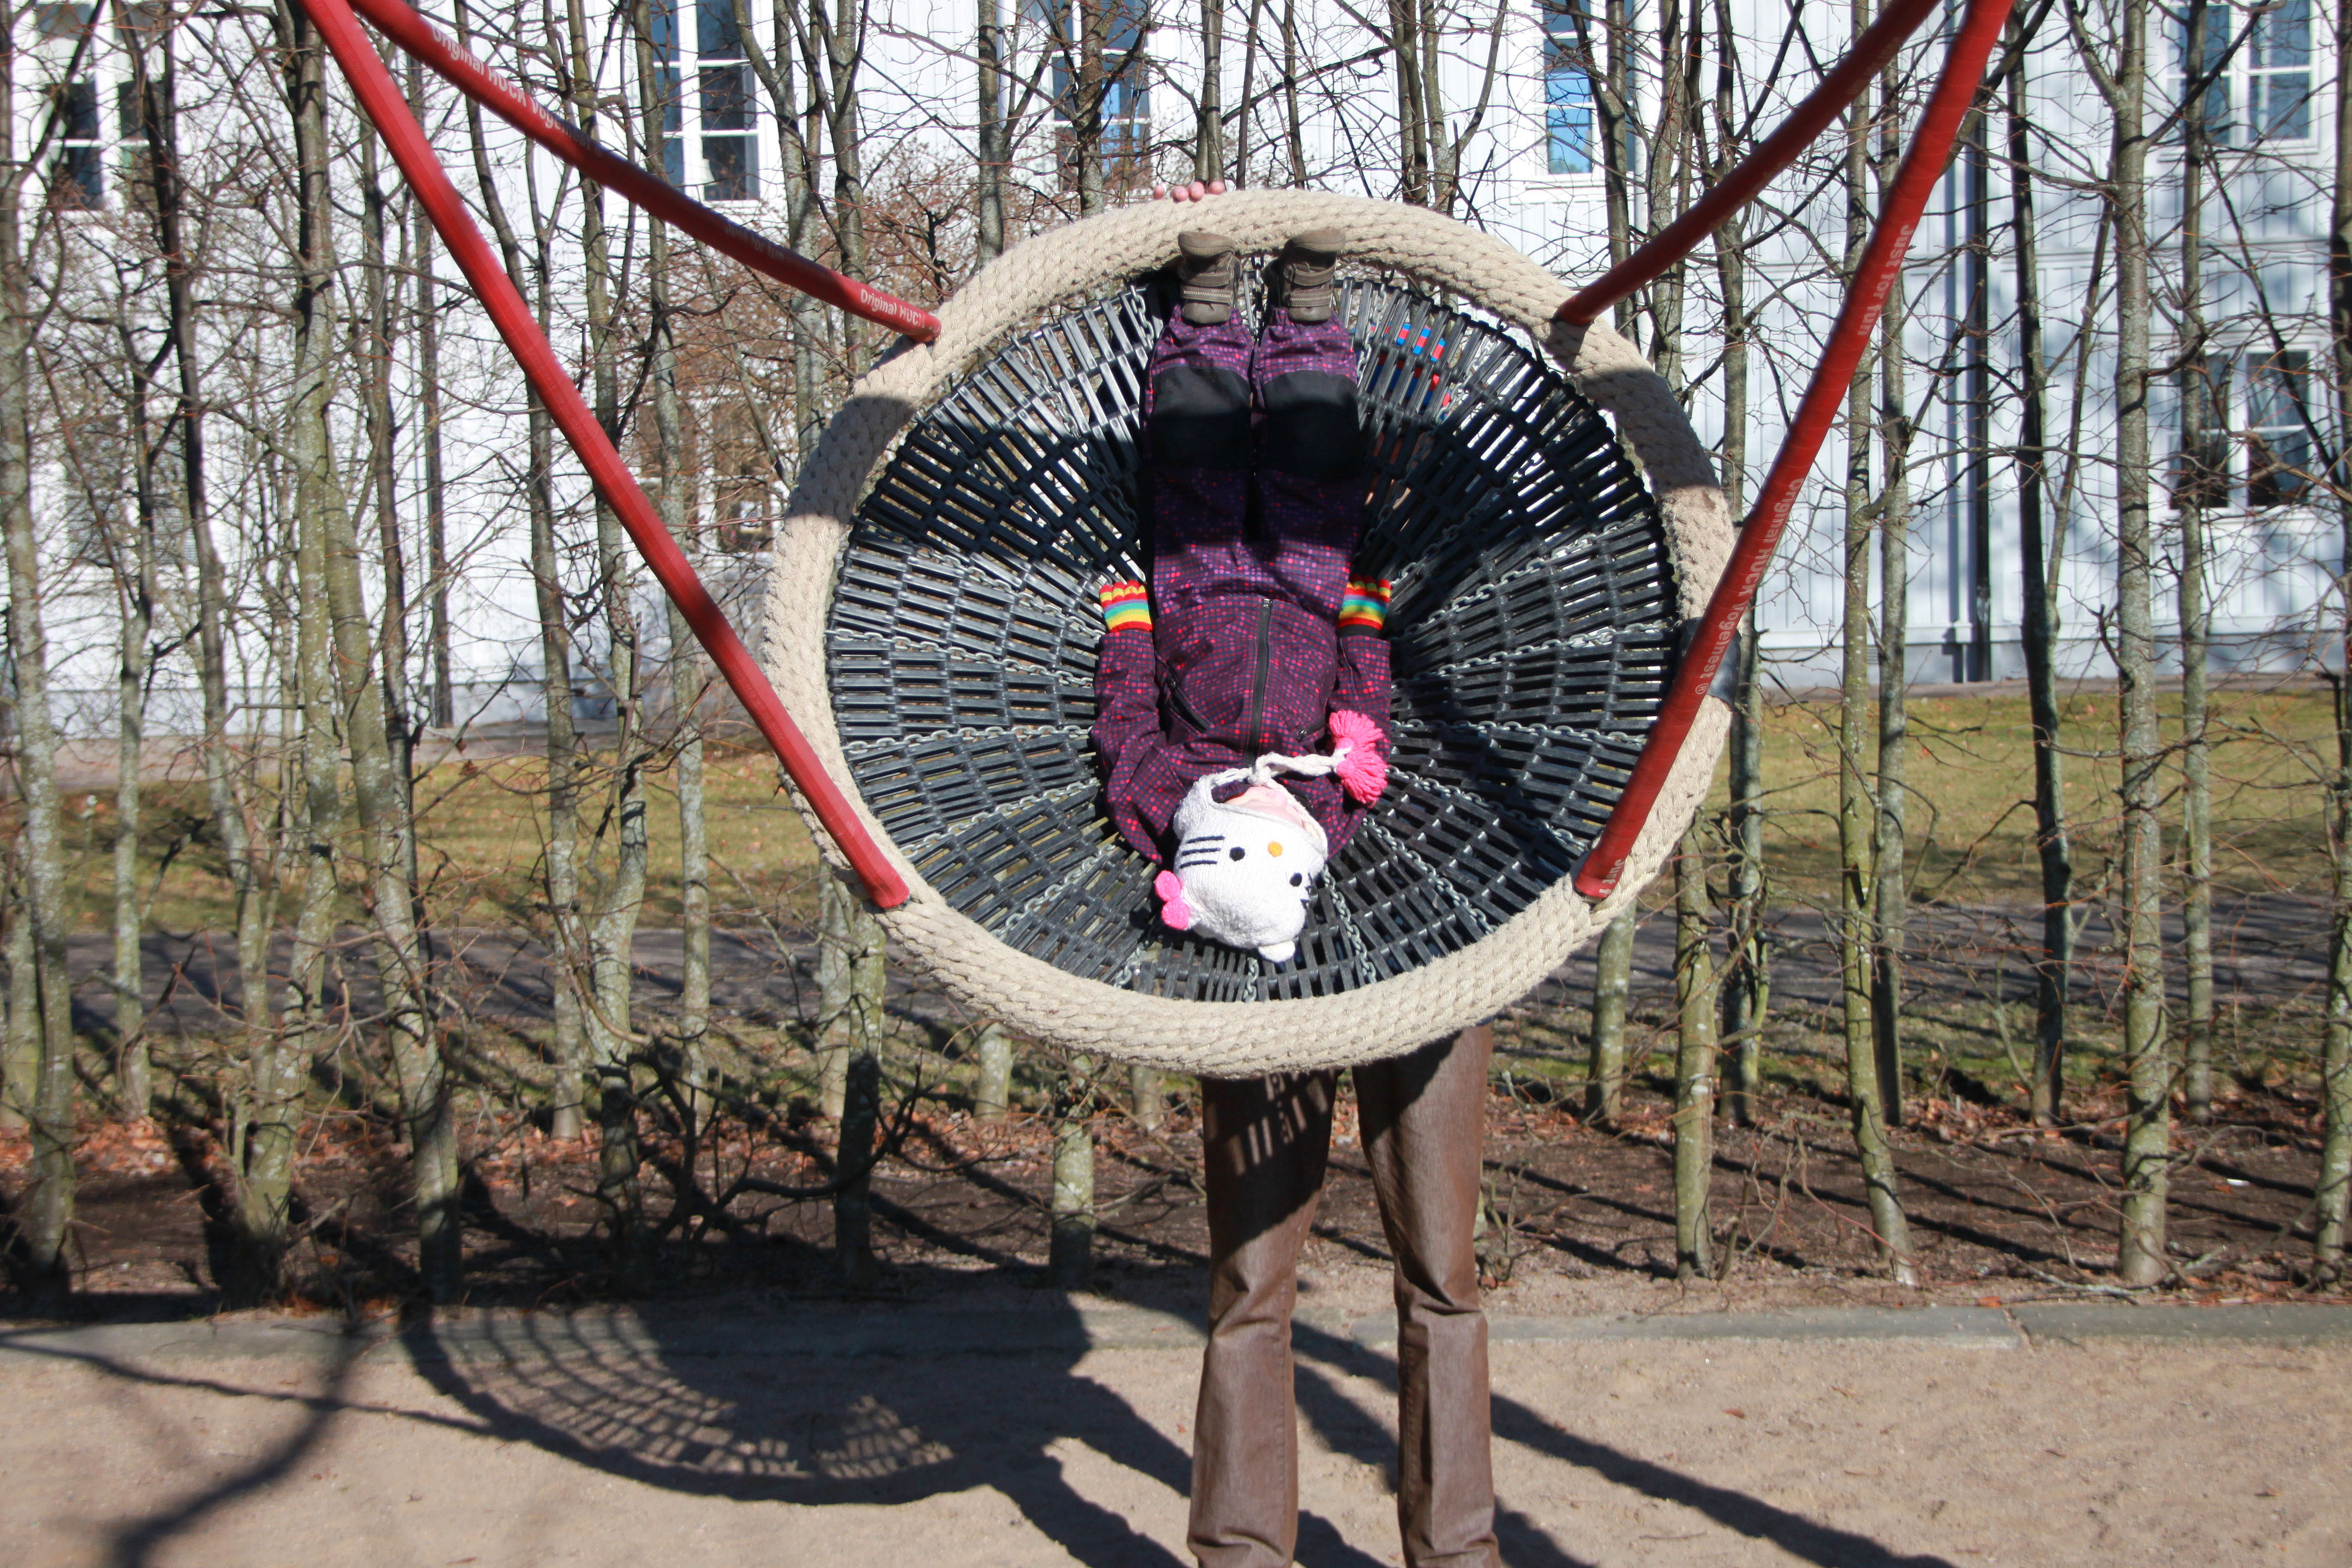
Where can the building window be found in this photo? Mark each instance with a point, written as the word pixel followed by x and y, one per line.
pixel 726 128
pixel 78 179
pixel 2257 446
pixel 730 149
pixel 661 24
pixel 1569 141
pixel 131 126
pixel 2278 428
pixel 2263 92
pixel 1098 61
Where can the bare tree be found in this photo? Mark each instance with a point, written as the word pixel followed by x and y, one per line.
pixel 2332 1192
pixel 1857 811
pixel 379 779
pixel 2040 562
pixel 44 1220
pixel 1890 879
pixel 2191 497
pixel 1746 982
pixel 1694 1062
pixel 2148 1136
pixel 1612 982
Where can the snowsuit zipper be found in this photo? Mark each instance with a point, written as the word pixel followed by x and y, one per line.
pixel 1250 725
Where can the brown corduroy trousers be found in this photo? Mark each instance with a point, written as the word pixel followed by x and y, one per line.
pixel 1264 1142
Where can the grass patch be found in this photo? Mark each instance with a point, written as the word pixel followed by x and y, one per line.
pixel 1969 772
pixel 482 838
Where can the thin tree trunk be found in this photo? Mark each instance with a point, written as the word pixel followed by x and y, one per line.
pixel 1070 1247
pixel 836 999
pixel 1747 982
pixel 566 941
pixel 850 1025
pixel 2196 777
pixel 135 591
pixel 2332 1191
pixel 1667 182
pixel 689 684
pixel 2148 1134
pixel 20 1069
pixel 1891 880
pixel 1856 807
pixel 1694 1062
pixel 2045 1094
pixel 45 1213
pixel 1243 124
pixel 989 243
pixel 379 781
pixel 1087 124
pixel 687 688
pixel 1412 128
pixel 853 1207
pixel 1612 982
pixel 1429 35
pixel 249 870
pixel 1611 110
pixel 444 710
pixel 1209 122
pixel 374 344
pixel 991 1096
pixel 266 1122
pixel 1298 136
pixel 1148 1093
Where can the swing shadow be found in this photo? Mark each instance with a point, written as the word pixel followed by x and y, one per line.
pixel 678 1404
pixel 675 1409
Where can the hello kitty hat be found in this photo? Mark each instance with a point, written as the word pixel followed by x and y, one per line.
pixel 1246 867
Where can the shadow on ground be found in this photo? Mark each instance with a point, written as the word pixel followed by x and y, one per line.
pixel 830 1408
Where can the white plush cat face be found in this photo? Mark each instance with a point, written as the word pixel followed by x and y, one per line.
pixel 1246 868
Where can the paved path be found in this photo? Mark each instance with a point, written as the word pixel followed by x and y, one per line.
pixel 1926 1438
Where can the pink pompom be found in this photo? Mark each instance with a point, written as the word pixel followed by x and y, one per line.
pixel 1363 772
pixel 1174 910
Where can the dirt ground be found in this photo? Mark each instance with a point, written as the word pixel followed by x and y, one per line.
pixel 1994 1205
pixel 1843 1455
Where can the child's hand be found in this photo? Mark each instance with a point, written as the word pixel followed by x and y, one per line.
pixel 1195 191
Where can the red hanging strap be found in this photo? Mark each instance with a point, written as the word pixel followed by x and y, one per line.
pixel 1881 269
pixel 382 101
pixel 461 70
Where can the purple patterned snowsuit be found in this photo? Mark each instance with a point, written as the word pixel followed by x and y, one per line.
pixel 1258 492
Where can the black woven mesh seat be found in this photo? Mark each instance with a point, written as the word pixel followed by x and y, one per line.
pixel 1532 632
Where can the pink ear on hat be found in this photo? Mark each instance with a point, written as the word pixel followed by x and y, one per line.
pixel 1363 772
pixel 1174 910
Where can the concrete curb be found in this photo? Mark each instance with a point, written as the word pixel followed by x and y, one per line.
pixel 2282 1324
pixel 516 1339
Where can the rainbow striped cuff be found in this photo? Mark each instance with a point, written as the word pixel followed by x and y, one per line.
pixel 1365 610
pixel 1126 604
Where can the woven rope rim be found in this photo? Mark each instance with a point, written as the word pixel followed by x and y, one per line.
pixel 1232 1039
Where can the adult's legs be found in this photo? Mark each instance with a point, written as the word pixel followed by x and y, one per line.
pixel 1424 1119
pixel 1264 1142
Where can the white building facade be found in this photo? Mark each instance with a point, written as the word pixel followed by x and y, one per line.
pixel 1307 90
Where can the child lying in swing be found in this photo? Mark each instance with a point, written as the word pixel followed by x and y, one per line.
pixel 1220 683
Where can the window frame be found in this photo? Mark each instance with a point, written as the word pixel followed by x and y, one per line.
pixel 1566 26
pixel 2253 76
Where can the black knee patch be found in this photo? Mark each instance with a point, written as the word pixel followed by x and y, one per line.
pixel 1199 418
pixel 1311 428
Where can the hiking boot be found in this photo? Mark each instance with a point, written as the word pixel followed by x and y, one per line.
pixel 1301 282
pixel 1205 275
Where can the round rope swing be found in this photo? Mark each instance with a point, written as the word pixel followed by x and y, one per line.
pixel 1567 587
pixel 933 608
